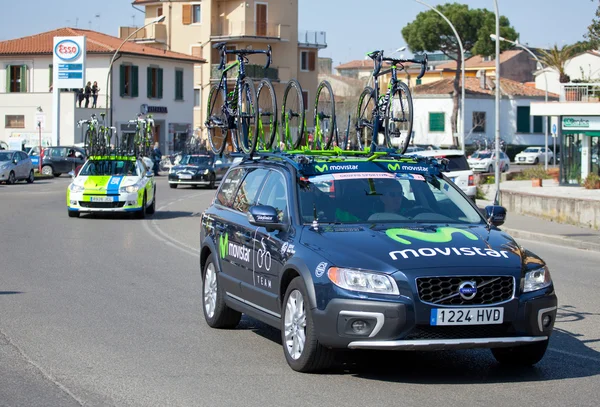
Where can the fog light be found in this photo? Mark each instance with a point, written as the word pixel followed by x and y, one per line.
pixel 73 202
pixel 359 326
pixel 546 321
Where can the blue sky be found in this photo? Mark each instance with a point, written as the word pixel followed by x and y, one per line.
pixel 350 34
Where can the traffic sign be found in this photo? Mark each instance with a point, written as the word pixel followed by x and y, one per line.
pixel 554 128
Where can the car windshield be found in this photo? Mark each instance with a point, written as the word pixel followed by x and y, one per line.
pixel 383 197
pixel 195 160
pixel 5 156
pixel 481 155
pixel 531 150
pixel 457 163
pixel 109 167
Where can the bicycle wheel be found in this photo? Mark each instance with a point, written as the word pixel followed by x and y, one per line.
pixel 292 115
pixel 399 118
pixel 365 123
pixel 247 117
pixel 216 122
pixel 324 115
pixel 267 114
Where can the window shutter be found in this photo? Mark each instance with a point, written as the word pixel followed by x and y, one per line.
pixel 538 124
pixel 197 52
pixel 8 78
pixel 149 81
pixel 122 80
pixel 134 81
pixel 178 85
pixel 311 61
pixel 436 121
pixel 160 83
pixel 523 119
pixel 23 85
pixel 186 16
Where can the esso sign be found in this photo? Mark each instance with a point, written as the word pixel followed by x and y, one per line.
pixel 67 50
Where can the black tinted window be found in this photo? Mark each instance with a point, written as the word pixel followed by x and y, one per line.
pixel 229 186
pixel 458 163
pixel 246 195
pixel 274 194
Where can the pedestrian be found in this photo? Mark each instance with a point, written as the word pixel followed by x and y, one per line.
pixel 95 90
pixel 156 157
pixel 80 96
pixel 87 94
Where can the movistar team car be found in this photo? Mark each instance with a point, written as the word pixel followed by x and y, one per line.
pixel 112 184
pixel 380 252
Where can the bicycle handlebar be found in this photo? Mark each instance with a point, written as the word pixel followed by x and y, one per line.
pixel 222 46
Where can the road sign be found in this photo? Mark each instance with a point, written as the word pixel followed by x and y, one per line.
pixel 69 58
pixel 40 118
pixel 554 128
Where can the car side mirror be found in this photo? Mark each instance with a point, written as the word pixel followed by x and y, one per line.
pixel 72 174
pixel 265 216
pixel 496 215
pixel 150 174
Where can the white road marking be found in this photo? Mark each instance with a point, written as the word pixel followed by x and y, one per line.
pixel 577 355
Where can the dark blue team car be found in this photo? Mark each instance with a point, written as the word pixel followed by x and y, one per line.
pixel 369 252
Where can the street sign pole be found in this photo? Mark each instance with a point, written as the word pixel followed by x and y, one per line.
pixel 40 152
pixel 554 141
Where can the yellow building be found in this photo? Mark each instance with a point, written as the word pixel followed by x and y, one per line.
pixel 193 27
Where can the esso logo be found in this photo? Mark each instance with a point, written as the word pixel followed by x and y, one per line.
pixel 67 50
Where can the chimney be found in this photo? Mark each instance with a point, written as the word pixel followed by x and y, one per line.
pixel 482 80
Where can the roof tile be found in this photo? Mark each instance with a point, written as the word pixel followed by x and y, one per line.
pixel 477 61
pixel 472 87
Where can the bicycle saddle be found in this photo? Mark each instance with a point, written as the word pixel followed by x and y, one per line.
pixel 374 54
pixel 219 45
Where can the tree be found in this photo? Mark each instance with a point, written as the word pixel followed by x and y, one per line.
pixel 557 58
pixel 593 34
pixel 430 33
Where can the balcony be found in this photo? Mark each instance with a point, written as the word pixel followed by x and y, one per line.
pixel 580 92
pixel 252 71
pixel 227 29
pixel 155 33
pixel 313 39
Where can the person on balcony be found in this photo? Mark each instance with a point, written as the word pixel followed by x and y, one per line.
pixel 95 90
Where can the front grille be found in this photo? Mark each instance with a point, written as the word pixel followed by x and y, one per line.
pixel 460 332
pixel 444 290
pixel 101 205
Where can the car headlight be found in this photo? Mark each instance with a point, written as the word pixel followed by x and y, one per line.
pixel 537 279
pixel 4 166
pixel 206 171
pixel 363 281
pixel 76 188
pixel 129 189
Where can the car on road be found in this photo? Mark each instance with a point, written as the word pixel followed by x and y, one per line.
pixel 369 253
pixel 485 161
pixel 115 184
pixel 61 160
pixel 15 166
pixel 199 169
pixel 534 155
pixel 458 169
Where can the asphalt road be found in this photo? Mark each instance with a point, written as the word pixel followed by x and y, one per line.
pixel 102 311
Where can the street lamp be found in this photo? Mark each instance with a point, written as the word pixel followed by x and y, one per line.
pixel 112 61
pixel 517 44
pixel 497 163
pixel 462 53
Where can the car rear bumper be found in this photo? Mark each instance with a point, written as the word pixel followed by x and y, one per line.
pixel 447 344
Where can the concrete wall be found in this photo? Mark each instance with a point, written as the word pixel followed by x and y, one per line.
pixel 585 66
pixel 519 68
pixel 580 212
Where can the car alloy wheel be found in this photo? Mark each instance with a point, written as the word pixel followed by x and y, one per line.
pixel 11 178
pixel 31 177
pixel 295 324
pixel 210 290
pixel 47 170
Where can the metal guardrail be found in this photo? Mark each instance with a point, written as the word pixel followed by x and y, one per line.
pixel 249 29
pixel 580 92
pixel 313 38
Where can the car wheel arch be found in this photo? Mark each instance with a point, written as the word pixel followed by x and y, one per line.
pixel 207 249
pixel 291 271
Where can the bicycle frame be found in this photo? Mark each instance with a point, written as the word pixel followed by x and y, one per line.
pixel 232 98
pixel 381 102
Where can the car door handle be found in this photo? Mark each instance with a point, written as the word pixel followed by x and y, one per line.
pixel 244 236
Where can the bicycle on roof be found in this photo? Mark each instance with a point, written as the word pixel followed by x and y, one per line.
pixel 236 111
pixel 392 112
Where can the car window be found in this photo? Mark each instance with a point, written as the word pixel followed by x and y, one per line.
pixel 23 156
pixel 274 194
pixel 248 190
pixel 59 152
pixel 5 156
pixel 109 167
pixel 457 163
pixel 229 186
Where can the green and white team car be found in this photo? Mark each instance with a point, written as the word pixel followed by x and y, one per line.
pixel 112 184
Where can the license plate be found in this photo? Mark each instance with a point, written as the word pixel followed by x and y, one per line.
pixel 467 316
pixel 521 159
pixel 185 176
pixel 101 199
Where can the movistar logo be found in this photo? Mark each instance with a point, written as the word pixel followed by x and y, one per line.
pixel 322 168
pixel 340 167
pixel 223 243
pixel 441 235
pixel 394 167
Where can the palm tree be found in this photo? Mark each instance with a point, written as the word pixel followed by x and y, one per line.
pixel 557 58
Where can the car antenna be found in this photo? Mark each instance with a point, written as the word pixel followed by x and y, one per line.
pixel 315 222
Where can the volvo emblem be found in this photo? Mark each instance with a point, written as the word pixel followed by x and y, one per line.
pixel 467 290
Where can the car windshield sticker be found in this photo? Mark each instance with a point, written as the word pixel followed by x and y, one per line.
pixel 441 235
pixel 335 167
pixel 355 175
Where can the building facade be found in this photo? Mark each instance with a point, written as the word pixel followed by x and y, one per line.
pixel 144 80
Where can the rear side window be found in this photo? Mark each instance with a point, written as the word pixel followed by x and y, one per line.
pixel 246 195
pixel 458 163
pixel 229 186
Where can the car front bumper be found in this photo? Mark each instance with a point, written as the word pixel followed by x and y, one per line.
pixel 196 179
pixel 405 325
pixel 125 202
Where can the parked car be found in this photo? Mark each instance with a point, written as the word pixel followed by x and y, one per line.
pixel 59 160
pixel 15 166
pixel 534 155
pixel 199 169
pixel 395 258
pixel 459 170
pixel 485 161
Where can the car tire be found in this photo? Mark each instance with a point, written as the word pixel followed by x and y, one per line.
pixel 31 177
pixel 520 356
pixel 73 214
pixel 216 313
pixel 141 214
pixel 297 318
pixel 152 208
pixel 173 186
pixel 536 161
pixel 211 184
pixel 490 169
pixel 505 168
pixel 11 178
pixel 47 170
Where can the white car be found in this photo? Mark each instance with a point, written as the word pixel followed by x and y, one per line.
pixel 459 171
pixel 534 155
pixel 485 161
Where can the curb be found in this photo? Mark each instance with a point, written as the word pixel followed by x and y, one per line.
pixel 553 239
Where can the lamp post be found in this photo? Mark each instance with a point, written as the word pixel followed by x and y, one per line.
pixel 517 44
pixel 462 67
pixel 497 161
pixel 112 61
